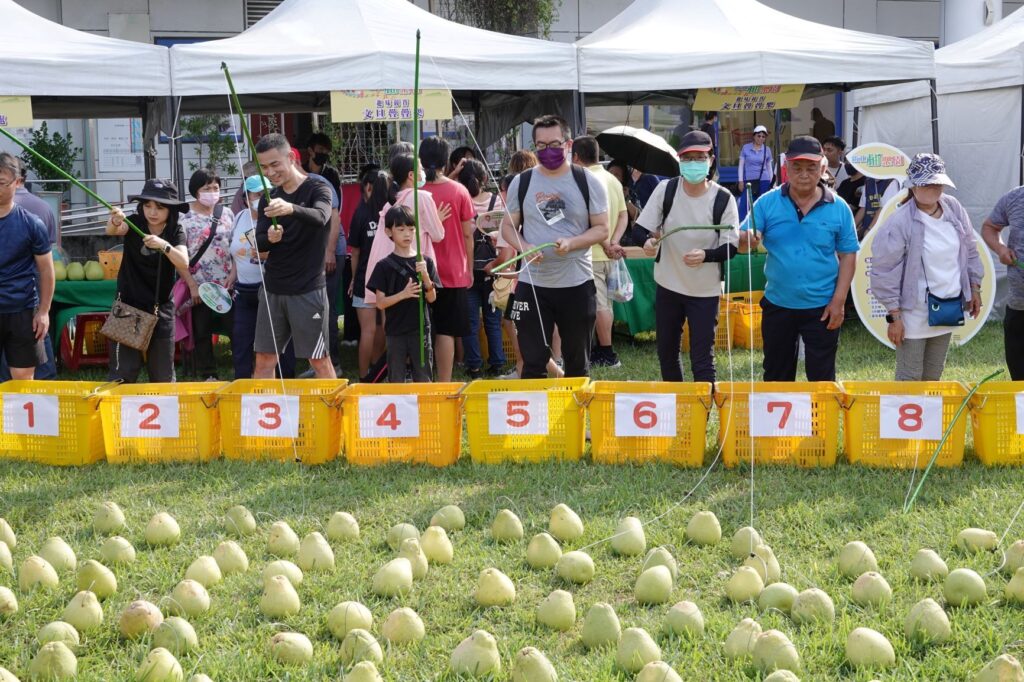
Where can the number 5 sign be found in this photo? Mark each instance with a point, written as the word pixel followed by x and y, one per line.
pixel 31 415
pixel 149 416
pixel 270 416
pixel 910 417
pixel 774 415
pixel 645 414
pixel 513 414
pixel 389 416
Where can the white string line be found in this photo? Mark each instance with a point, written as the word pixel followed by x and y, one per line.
pixel 263 282
pixel 750 395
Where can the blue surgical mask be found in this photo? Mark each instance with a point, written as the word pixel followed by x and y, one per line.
pixel 694 171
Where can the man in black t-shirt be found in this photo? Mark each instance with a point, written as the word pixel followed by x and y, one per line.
pixel 294 303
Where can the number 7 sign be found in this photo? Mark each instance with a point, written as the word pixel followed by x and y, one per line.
pixel 774 415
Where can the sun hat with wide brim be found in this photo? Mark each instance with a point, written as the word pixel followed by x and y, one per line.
pixel 161 191
pixel 928 169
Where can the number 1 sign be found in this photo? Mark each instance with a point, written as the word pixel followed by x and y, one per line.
pixel 774 415
pixel 31 415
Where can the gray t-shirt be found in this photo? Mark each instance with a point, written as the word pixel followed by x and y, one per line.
pixel 555 209
pixel 1009 211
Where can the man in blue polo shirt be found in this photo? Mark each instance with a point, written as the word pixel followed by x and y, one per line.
pixel 812 245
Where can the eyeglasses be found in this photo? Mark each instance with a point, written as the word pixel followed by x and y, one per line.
pixel 8 185
pixel 541 146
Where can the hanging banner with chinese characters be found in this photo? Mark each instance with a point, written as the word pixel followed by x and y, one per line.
pixel 15 112
pixel 363 106
pixel 751 98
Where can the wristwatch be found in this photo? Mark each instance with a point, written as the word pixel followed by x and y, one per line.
pixel 890 319
pixel 167 248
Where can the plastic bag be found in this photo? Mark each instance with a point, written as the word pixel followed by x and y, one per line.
pixel 620 282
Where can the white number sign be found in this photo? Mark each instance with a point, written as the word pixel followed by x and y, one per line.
pixel 773 415
pixel 645 414
pixel 389 416
pixel 513 414
pixel 270 416
pixel 1020 412
pixel 31 415
pixel 910 417
pixel 149 416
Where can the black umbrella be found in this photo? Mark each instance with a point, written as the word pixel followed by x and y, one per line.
pixel 641 149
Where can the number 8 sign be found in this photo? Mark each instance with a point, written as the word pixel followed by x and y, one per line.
pixel 645 414
pixel 910 417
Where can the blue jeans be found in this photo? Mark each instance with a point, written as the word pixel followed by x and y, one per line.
pixel 757 187
pixel 477 298
pixel 245 309
pixel 45 371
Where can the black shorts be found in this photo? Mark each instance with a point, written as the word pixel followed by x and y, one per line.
pixel 18 341
pixel 451 312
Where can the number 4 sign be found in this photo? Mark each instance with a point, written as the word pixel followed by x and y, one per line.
pixel 149 416
pixel 774 415
pixel 270 416
pixel 645 414
pixel 31 415
pixel 389 416
pixel 910 417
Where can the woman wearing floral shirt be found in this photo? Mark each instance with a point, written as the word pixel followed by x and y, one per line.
pixel 213 265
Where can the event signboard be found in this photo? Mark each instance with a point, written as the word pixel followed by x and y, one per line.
pixel 750 98
pixel 367 106
pixel 15 112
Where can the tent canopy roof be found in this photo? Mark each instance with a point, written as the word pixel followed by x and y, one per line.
pixel 689 44
pixel 44 59
pixel 373 48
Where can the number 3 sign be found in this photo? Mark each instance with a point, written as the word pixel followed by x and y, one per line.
pixel 645 414
pixel 774 415
pixel 31 415
pixel 910 417
pixel 149 416
pixel 270 416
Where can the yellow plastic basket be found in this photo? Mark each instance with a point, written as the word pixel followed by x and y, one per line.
pixel 862 439
pixel 270 430
pixel 413 423
pixel 997 437
pixel 640 406
pixel 745 314
pixel 61 427
pixel 523 431
pixel 816 450
pixel 153 434
pixel 506 345
pixel 723 334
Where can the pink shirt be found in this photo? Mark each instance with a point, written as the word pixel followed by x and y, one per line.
pixel 430 226
pixel 452 267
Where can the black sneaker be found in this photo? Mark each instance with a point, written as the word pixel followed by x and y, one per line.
pixel 475 374
pixel 608 360
pixel 493 372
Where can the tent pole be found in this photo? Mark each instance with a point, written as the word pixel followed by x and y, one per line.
pixel 935 116
pixel 856 127
pixel 1021 160
pixel 148 144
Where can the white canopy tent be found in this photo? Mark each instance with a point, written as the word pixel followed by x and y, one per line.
pixel 672 45
pixel 282 64
pixel 50 62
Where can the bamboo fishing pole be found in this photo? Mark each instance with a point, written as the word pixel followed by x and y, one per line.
pixel 67 176
pixel 416 194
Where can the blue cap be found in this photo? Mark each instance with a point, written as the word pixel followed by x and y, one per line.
pixel 255 183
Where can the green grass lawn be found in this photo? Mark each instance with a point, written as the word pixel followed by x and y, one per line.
pixel 805 515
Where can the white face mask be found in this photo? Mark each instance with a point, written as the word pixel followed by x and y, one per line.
pixel 254 205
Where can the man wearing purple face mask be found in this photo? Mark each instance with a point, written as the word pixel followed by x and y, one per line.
pixel 563 204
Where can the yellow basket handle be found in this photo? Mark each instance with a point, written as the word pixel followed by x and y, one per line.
pixel 96 394
pixel 707 404
pixel 587 394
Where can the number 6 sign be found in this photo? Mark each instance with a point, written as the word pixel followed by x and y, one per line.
pixel 389 416
pixel 31 415
pixel 149 416
pixel 513 414
pixel 270 416
pixel 774 415
pixel 645 414
pixel 910 417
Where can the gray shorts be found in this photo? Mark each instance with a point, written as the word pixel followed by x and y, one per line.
pixel 301 318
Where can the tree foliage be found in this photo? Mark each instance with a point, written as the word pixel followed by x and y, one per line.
pixel 212 134
pixel 517 17
pixel 61 152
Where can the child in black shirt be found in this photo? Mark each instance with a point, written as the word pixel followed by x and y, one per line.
pixel 395 283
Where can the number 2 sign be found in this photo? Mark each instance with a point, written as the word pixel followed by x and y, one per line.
pixel 513 414
pixel 270 416
pixel 31 415
pixel 149 416
pixel 645 414
pixel 910 417
pixel 774 415
pixel 389 416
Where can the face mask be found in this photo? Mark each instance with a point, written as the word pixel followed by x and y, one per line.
pixel 209 199
pixel 321 159
pixel 694 171
pixel 254 205
pixel 421 179
pixel 551 158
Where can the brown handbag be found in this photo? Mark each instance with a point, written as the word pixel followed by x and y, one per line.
pixel 129 325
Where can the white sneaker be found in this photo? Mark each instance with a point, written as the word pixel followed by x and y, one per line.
pixel 514 374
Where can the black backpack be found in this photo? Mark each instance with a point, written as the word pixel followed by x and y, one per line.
pixel 578 174
pixel 717 211
pixel 483 249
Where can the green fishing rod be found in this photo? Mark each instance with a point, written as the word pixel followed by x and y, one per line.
pixel 416 196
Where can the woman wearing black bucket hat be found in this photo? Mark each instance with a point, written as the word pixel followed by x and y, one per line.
pixel 147 275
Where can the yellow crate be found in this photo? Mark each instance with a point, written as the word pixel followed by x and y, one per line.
pixel 506 345
pixel 745 314
pixel 436 440
pixel 723 334
pixel 816 450
pixel 318 422
pixel 198 425
pixel 79 434
pixel 862 442
pixel 994 418
pixel 685 448
pixel 566 421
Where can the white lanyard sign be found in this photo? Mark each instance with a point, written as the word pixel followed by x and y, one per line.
pixel 645 414
pixel 776 415
pixel 389 416
pixel 31 415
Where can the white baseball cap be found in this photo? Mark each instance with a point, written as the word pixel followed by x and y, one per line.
pixel 760 129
